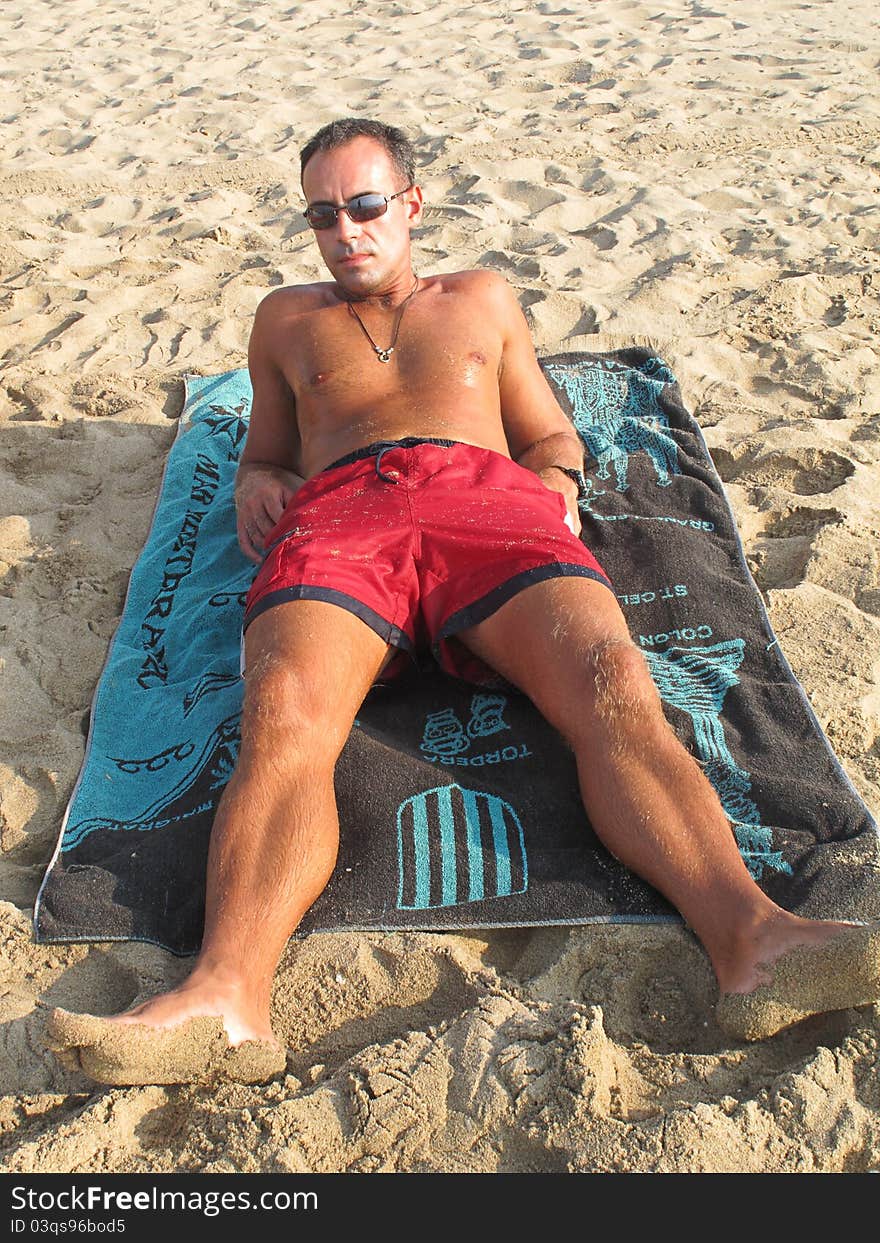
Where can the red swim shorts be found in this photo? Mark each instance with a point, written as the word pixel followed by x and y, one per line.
pixel 420 538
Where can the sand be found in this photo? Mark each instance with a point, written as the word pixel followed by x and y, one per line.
pixel 195 1051
pixel 702 178
pixel 838 974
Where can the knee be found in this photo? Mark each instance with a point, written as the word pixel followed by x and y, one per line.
pixel 289 715
pixel 618 677
pixel 617 693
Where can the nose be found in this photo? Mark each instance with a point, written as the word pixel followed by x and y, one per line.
pixel 346 229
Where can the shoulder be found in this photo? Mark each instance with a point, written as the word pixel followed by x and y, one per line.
pixel 477 281
pixel 489 290
pixel 292 300
pixel 278 312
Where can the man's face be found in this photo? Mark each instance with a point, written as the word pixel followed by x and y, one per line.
pixel 363 258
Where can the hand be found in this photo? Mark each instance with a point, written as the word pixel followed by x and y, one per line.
pixel 568 489
pixel 262 493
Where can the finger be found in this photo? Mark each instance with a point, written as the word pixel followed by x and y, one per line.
pixel 273 508
pixel 246 542
pixel 257 523
pixel 289 492
pixel 253 511
pixel 273 504
pixel 249 551
pixel 257 531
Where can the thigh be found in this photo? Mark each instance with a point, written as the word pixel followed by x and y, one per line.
pixel 308 666
pixel 547 639
pixel 492 530
pixel 346 540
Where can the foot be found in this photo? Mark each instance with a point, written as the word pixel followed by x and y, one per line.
pixel 189 1035
pixel 812 969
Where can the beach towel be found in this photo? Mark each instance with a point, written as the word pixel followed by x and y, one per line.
pixel 459 805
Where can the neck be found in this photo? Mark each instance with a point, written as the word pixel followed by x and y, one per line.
pixel 391 294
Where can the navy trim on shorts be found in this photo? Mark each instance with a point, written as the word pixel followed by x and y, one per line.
pixel 305 591
pixel 408 442
pixel 471 614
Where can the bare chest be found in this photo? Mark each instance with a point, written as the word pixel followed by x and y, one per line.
pixel 341 360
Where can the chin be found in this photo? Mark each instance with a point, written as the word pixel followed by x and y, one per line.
pixel 357 280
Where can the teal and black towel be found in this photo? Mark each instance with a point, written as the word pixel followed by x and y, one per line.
pixel 459 807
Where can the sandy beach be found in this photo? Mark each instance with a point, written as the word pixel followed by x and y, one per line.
pixel 702 178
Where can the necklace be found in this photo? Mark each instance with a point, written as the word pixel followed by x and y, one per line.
pixel 384 356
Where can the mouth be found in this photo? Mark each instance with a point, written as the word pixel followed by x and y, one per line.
pixel 353 259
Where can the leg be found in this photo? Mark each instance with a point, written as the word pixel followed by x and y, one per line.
pixel 273 844
pixel 651 805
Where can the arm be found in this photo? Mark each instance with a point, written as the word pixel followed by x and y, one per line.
pixel 539 434
pixel 267 476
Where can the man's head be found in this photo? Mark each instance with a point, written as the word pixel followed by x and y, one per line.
pixel 399 148
pixel 355 157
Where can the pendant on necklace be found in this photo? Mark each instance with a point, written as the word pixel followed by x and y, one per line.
pixel 384 356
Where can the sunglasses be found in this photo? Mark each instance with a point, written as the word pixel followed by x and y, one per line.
pixel 360 209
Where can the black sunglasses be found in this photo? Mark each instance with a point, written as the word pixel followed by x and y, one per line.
pixel 360 209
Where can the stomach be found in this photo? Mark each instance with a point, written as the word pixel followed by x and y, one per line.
pixel 327 437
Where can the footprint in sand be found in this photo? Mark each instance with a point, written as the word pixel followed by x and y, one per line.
pixel 845 558
pixel 778 557
pixel 803 470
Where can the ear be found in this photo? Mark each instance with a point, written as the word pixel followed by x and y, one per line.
pixel 414 205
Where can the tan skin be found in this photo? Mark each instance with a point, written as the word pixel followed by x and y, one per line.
pixel 463 356
pixel 464 368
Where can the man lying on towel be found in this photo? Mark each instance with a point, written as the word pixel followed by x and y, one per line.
pixel 410 480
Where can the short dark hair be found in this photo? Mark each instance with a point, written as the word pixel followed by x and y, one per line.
pixel 400 150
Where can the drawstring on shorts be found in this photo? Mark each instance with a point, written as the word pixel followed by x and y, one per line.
pixel 386 446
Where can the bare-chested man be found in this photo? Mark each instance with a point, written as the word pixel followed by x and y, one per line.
pixel 388 546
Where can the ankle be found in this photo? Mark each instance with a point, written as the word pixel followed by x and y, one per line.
pixel 749 961
pixel 738 949
pixel 240 988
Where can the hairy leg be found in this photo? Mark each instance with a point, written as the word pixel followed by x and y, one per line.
pixel 647 798
pixel 274 840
